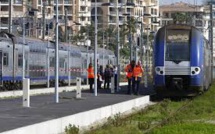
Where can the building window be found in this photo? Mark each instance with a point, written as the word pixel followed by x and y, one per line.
pixel 166 15
pixel 199 23
pixel 82 18
pixel 83 9
pixel 152 11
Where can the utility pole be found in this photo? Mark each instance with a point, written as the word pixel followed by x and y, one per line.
pixel 130 43
pixel 95 50
pixel 211 37
pixel 147 58
pixel 118 45
pixel 141 42
pixel 65 37
pixel 103 47
pixel 0 17
pixel 44 21
pixel 10 17
pixel 56 56
pixel 130 40
pixel 23 49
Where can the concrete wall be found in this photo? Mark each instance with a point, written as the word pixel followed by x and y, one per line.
pixel 82 119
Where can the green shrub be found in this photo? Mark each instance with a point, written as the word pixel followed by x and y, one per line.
pixel 72 129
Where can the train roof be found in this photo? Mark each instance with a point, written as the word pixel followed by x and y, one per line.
pixel 179 26
pixel 99 50
pixel 39 45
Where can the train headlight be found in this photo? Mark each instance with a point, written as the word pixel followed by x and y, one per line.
pixel 195 70
pixel 159 70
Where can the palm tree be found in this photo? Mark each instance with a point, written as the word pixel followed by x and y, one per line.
pixel 89 30
pixel 127 30
pixel 84 33
pixel 130 26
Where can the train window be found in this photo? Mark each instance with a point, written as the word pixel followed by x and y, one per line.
pixel 65 67
pixel 177 41
pixel 36 71
pixel 20 60
pixel 5 59
pixel 61 62
pixel 52 62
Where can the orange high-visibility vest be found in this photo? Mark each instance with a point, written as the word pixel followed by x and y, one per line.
pixel 128 71
pixel 90 72
pixel 138 71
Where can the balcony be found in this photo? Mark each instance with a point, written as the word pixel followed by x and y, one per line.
pixel 3 26
pixel 83 3
pixel 3 2
pixel 3 13
pixel 67 2
pixel 18 2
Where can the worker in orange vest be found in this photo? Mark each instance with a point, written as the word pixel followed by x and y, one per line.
pixel 129 74
pixel 137 75
pixel 91 76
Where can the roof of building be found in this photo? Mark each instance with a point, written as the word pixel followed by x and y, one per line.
pixel 181 7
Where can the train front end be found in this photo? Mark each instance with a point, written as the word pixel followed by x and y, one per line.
pixel 178 61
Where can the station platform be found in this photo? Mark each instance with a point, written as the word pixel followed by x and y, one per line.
pixel 44 116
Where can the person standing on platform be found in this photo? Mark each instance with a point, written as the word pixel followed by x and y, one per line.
pixel 91 76
pixel 137 75
pixel 129 74
pixel 107 76
pixel 100 77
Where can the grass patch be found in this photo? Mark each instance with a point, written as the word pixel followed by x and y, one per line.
pixel 126 129
pixel 186 128
pixel 190 116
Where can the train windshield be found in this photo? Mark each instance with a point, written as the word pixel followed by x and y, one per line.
pixel 177 45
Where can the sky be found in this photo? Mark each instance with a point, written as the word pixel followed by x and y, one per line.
pixel 164 2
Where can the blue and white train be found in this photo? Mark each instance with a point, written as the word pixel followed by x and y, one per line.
pixel 182 61
pixel 40 62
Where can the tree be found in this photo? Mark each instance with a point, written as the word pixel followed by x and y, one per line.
pixel 88 31
pixel 127 30
pixel 84 33
pixel 179 17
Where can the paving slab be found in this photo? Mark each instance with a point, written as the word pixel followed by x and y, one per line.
pixel 43 107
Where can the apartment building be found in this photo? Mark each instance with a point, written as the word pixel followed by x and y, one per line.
pixel 107 13
pixel 80 11
pixel 194 14
pixel 77 11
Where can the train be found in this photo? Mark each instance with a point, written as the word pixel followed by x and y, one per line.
pixel 39 62
pixel 182 61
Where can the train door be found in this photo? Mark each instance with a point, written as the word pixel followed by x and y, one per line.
pixel 1 82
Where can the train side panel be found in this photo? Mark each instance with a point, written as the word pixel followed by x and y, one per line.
pixel 159 80
pixel 196 59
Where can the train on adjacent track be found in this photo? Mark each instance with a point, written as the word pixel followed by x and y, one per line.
pixel 39 57
pixel 182 61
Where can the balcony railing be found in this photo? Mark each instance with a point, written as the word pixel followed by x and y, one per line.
pixel 18 2
pixel 68 2
pixel 4 1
